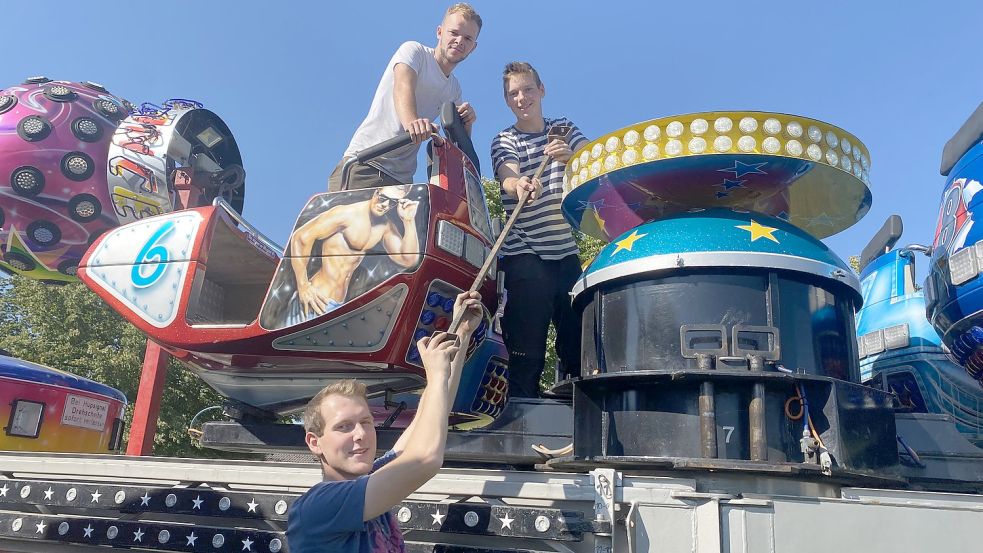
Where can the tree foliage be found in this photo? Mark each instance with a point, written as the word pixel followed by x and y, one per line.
pixel 69 328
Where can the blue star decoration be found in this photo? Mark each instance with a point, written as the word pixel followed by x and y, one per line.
pixel 593 205
pixel 722 194
pixel 728 184
pixel 740 169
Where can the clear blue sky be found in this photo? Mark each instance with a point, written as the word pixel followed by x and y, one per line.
pixel 294 79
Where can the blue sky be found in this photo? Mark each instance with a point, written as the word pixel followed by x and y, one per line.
pixel 294 79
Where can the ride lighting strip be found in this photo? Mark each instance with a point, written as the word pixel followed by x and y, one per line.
pixel 965 264
pixel 881 340
pixel 453 239
pixel 720 132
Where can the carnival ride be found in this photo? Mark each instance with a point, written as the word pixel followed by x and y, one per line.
pixel 78 160
pixel 722 400
pixel 219 296
pixel 50 410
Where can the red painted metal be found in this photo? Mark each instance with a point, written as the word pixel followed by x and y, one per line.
pixel 147 406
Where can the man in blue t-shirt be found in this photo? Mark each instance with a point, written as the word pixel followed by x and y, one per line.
pixel 348 512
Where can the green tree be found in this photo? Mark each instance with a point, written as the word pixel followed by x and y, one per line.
pixel 589 247
pixel 69 328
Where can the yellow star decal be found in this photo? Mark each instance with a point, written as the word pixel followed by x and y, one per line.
pixel 600 222
pixel 627 242
pixel 759 231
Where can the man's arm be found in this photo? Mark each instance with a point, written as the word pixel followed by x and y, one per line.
pixel 424 454
pixel 471 303
pixel 301 243
pixel 405 249
pixel 512 181
pixel 404 96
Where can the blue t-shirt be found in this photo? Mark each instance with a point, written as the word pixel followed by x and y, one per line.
pixel 328 518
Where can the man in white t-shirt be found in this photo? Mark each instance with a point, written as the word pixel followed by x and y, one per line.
pixel 416 83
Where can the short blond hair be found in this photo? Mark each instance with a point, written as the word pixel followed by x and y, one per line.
pixel 313 419
pixel 518 68
pixel 466 11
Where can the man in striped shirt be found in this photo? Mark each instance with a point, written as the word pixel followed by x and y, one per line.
pixel 540 255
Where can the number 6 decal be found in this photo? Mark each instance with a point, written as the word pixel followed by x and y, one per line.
pixel 152 254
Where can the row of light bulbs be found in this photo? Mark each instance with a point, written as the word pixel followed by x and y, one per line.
pixel 831 146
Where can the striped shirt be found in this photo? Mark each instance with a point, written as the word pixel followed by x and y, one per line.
pixel 540 228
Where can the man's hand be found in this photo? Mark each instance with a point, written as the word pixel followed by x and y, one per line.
pixel 559 150
pixel 406 209
pixel 437 352
pixel 534 187
pixel 420 130
pixel 468 116
pixel 469 304
pixel 312 300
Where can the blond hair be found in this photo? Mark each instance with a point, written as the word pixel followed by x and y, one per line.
pixel 518 68
pixel 466 11
pixel 313 419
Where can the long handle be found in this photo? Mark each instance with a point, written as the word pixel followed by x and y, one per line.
pixel 523 196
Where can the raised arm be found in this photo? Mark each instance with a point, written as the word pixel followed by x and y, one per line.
pixel 404 250
pixel 424 453
pixel 301 243
pixel 471 303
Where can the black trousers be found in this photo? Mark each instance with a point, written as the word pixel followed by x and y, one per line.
pixel 538 292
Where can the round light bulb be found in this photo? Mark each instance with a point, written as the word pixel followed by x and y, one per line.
pixel 611 162
pixel 772 126
pixel 697 145
pixel 611 144
pixel 831 140
pixel 629 156
pixel 596 150
pixel 794 129
pixel 814 152
pixel 793 148
pixel 723 124
pixel 631 138
pixel 746 143
pixel 699 126
pixel 747 125
pixel 723 143
pixel 575 165
pixel 674 147
pixel 815 134
pixel 845 164
pixel 674 129
pixel 771 145
pixel 595 168
pixel 832 158
pixel 650 151
pixel 652 133
pixel 846 146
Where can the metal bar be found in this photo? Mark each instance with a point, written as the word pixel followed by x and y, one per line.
pixel 708 421
pixel 147 406
pixel 756 414
pixel 237 217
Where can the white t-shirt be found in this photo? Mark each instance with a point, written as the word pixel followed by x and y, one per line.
pixel 433 89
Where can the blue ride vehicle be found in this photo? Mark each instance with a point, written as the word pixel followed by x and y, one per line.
pixel 953 289
pixel 900 351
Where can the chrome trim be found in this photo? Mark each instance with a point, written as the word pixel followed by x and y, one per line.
pixel 754 260
pixel 219 202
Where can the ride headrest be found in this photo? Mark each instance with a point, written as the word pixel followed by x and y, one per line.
pixel 965 138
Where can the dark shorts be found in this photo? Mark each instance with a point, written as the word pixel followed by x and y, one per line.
pixel 360 176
